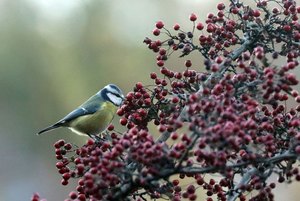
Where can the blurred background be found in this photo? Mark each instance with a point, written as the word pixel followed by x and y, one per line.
pixel 54 54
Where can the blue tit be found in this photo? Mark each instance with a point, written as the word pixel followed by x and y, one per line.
pixel 94 115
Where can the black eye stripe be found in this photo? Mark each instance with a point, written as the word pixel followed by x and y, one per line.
pixel 118 95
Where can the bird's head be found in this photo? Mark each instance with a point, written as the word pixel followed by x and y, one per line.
pixel 113 94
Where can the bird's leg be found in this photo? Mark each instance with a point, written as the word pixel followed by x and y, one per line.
pixel 96 138
pixel 106 136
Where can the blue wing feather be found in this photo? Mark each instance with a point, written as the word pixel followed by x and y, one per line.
pixel 89 107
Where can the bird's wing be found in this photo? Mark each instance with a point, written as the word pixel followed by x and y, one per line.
pixel 89 107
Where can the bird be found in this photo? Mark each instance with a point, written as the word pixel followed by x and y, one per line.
pixel 94 115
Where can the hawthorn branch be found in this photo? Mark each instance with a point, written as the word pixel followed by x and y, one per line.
pixel 232 196
pixel 163 137
pixel 166 173
pixel 288 155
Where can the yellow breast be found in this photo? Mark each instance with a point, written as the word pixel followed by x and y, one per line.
pixel 94 124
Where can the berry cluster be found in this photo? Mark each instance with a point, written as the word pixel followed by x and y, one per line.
pixel 98 165
pixel 237 117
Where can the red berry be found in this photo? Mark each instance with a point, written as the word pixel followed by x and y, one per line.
pixel 73 195
pixel 59 144
pixel 275 10
pixel 297 149
pixel 160 63
pixel 176 27
pixel 66 176
pixel 175 99
pixel 64 182
pixel 89 142
pixel 210 28
pixel 221 6
pixel 59 165
pixel 139 85
pixel 193 197
pixel 193 17
pixel 80 168
pixel 185 195
pixel 272 185
pixel 214 68
pixel 175 182
pixel 153 76
pixel 188 63
pixel 156 32
pixel 147 101
pixel 287 28
pixel 111 127
pixel 191 189
pixel 294 93
pixel 81 197
pixel 123 121
pixel 162 51
pixel 235 10
pixel 219 59
pixel 212 182
pixel 174 136
pixel 159 24
pixel 35 197
pixel 256 13
pixel 200 26
pixel 120 112
pixel 68 146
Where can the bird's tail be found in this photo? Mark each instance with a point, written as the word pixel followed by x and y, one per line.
pixel 49 128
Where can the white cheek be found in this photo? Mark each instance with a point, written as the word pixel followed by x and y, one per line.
pixel 116 100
